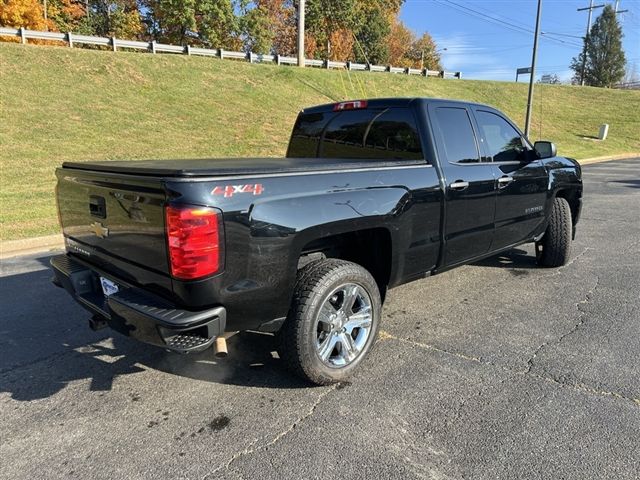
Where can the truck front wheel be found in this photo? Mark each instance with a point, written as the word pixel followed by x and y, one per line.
pixel 554 249
pixel 333 321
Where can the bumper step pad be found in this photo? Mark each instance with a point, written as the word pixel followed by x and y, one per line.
pixel 186 341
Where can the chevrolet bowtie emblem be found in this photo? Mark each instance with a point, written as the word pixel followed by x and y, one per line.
pixel 100 230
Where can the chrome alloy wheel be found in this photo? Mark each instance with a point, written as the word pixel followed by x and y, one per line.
pixel 343 325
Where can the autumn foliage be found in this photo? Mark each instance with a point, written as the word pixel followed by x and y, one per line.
pixel 367 31
pixel 22 13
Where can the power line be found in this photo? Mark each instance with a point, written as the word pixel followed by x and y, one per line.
pixel 561 34
pixel 498 21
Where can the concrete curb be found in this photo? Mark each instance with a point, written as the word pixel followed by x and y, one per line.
pixel 608 158
pixel 15 248
pixel 26 246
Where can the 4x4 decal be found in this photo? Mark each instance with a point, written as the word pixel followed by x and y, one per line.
pixel 230 190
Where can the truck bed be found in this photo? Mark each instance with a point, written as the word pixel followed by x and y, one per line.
pixel 222 167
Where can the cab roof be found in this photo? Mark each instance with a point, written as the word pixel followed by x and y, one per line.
pixel 385 103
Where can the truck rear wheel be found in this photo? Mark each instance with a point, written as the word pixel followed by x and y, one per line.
pixel 554 249
pixel 333 321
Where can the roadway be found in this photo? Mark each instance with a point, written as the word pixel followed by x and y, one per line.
pixel 494 370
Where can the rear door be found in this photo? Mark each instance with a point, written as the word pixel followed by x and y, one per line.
pixel 470 183
pixel 521 177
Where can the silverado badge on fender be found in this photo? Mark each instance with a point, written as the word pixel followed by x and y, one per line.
pixel 100 230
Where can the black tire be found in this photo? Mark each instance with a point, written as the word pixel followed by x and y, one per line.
pixel 298 337
pixel 554 249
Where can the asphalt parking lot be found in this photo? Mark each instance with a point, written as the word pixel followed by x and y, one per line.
pixel 495 370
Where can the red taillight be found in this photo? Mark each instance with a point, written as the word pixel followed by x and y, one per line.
pixel 350 105
pixel 193 238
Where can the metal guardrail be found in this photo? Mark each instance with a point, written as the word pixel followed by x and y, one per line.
pixel 73 39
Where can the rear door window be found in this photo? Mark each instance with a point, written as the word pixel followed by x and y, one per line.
pixel 458 137
pixel 393 134
pixel 344 135
pixel 306 134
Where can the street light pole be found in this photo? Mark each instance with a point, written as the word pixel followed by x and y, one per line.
pixel 527 123
pixel 301 33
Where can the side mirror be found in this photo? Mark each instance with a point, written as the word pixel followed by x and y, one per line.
pixel 545 149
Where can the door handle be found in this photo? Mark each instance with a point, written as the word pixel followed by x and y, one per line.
pixel 504 181
pixel 458 185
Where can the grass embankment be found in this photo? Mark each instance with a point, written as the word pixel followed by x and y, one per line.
pixel 61 104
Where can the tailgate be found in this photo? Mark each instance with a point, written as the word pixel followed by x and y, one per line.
pixel 114 220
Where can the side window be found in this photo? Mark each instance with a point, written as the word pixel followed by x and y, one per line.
pixel 306 133
pixel 389 134
pixel 393 135
pixel 384 134
pixel 343 137
pixel 504 143
pixel 457 135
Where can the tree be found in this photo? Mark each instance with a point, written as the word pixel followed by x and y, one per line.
pixel 66 15
pixel 424 53
pixel 372 33
pixel 405 50
pixel 605 60
pixel 400 40
pixel 217 24
pixel 375 21
pixel 211 23
pixel 107 18
pixel 281 18
pixel 22 13
pixel 256 29
pixel 324 17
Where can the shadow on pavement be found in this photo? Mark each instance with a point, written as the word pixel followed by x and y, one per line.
pixel 518 261
pixel 46 343
pixel 627 183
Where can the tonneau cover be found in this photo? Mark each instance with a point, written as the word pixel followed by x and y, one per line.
pixel 214 167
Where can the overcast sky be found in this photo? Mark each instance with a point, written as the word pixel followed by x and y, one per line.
pixel 490 39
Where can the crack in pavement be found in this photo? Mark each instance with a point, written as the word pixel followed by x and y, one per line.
pixel 250 449
pixel 582 319
pixel 581 387
pixel 561 269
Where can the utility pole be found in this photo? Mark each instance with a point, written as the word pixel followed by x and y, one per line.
pixel 301 33
pixel 527 123
pixel 616 8
pixel 591 8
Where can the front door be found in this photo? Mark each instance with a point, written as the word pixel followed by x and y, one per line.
pixel 522 179
pixel 470 184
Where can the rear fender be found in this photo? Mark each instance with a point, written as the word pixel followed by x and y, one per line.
pixel 318 215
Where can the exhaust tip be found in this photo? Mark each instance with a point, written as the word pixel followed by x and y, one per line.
pixel 220 347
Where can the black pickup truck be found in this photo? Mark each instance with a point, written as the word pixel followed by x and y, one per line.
pixel 372 194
